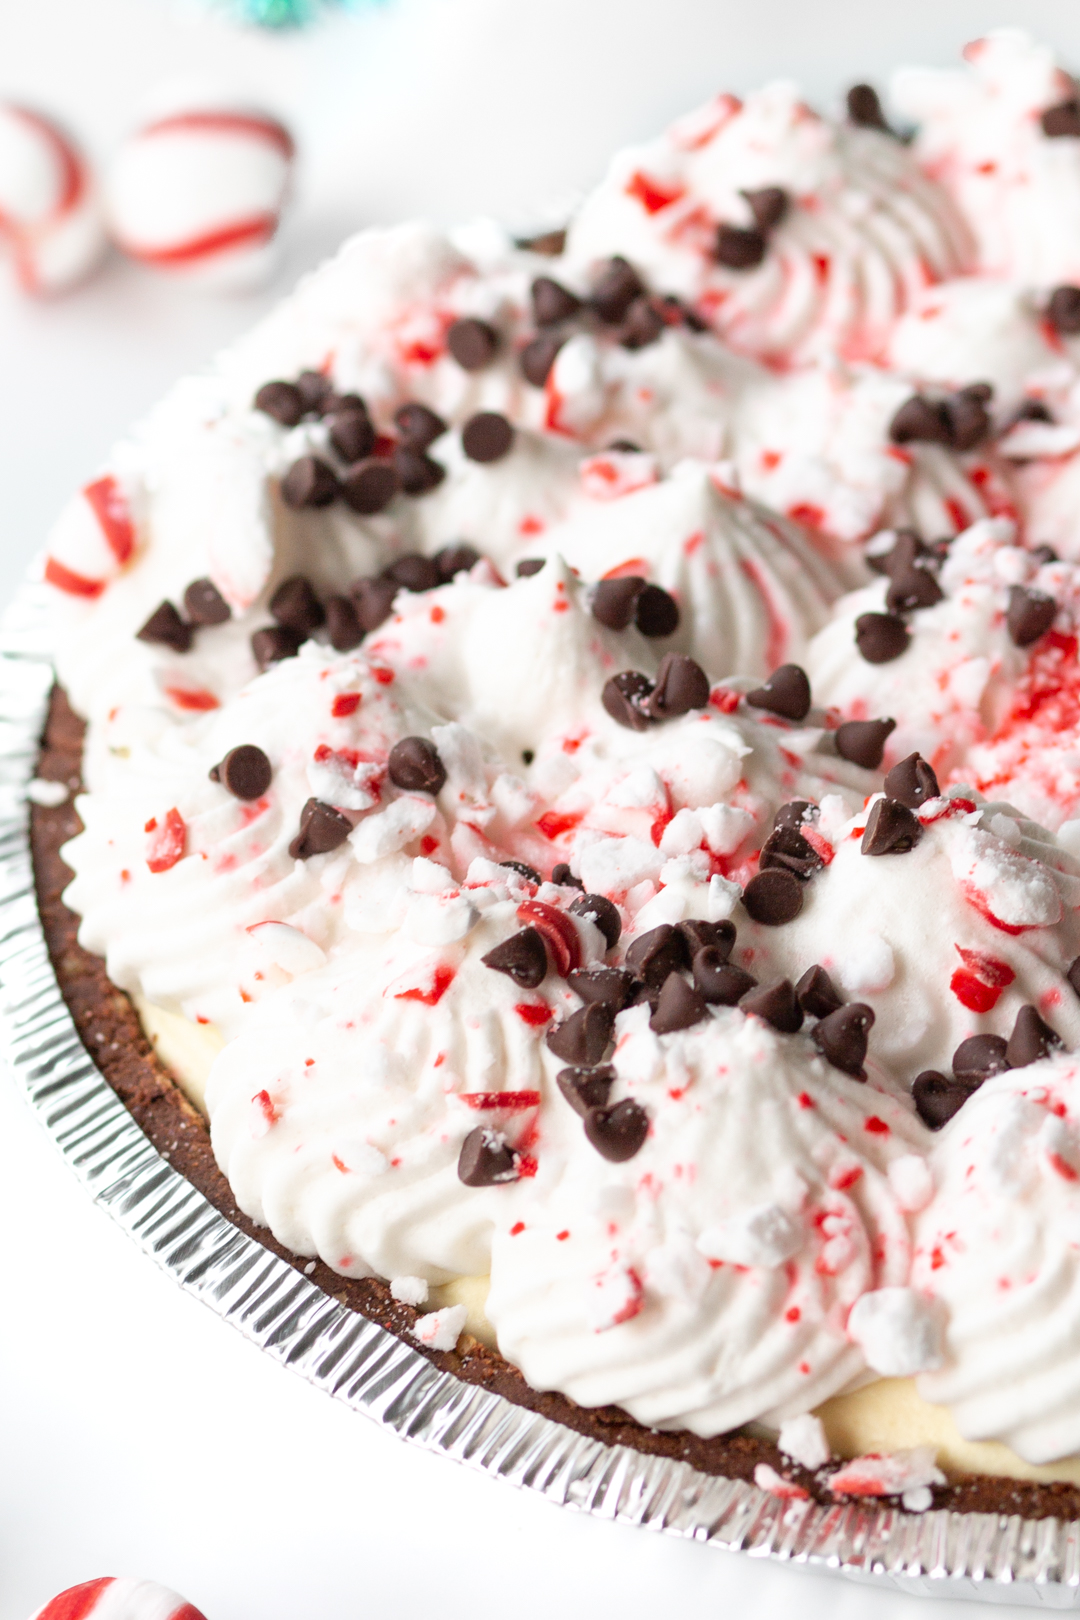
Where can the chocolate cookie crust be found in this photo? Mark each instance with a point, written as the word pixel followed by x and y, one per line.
pixel 109 1028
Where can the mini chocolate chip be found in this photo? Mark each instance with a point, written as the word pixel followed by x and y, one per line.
pixel 739 249
pixel 966 414
pixel 654 955
pixel 773 897
pixel 612 987
pixel 842 1035
pixel 552 302
pixel 352 434
pixel 537 357
pixel 374 601
pixel 418 425
pixel 343 624
pixel 313 388
pixel 295 605
pixel 617 1133
pixel 881 637
pixel 1031 1039
pixel 920 421
pixel 281 400
pixel 523 869
pixel 473 343
pixel 528 566
pixel 719 981
pixel 864 108
pixel 891 829
pixel 166 628
pixel 275 642
pixel 938 1097
pixel 681 685
pixel 627 445
pixel 522 957
pixel 979 1057
pixel 309 482
pixel 768 204
pixel 699 934
pixel 795 813
pixel 817 993
pixel 614 600
pixel 598 909
pixel 786 692
pixel 335 402
pixel 1045 554
pixel 1030 615
pixel 560 872
pixel 905 552
pixel 415 766
pixel 777 1004
pixel 586 1088
pixel 657 612
pixel 1073 975
pixel 245 771
pixel 679 1006
pixel 487 436
pixel 912 782
pixel 912 588
pixel 1062 120
pixel 582 1039
pixel 618 285
pixel 322 828
pixel 1063 310
pixel 862 742
pixel 204 603
pixel 455 559
pixel 1035 410
pixel 787 850
pixel 412 571
pixel 626 697
pixel 485 1159
pixel 370 486
pixel 549 243
pixel 643 325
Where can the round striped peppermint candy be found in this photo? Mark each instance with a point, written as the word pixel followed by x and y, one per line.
pixel 50 214
pixel 118 1598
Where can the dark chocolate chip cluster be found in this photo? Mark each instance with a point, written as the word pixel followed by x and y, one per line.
pixel 939 1096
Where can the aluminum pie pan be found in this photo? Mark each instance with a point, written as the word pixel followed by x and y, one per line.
pixel 988 1557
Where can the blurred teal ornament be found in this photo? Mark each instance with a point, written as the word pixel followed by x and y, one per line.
pixel 281 14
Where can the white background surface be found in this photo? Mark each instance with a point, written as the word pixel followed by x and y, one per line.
pixel 138 1434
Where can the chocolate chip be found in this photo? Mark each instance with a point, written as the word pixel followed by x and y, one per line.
pixel 582 1039
pixel 343 624
pixel 654 955
pixel 719 981
pixel 699 935
pixel 204 603
pixel 1031 1039
pixel 272 644
pixel 313 388
pixel 626 699
pixel 912 782
pixel 786 692
pixel 817 993
pixel 795 813
pixel 920 421
pixel 864 108
pixel 912 588
pixel 166 628
pixel 455 559
pixel 586 1088
pixel 1073 975
pixel 615 291
pixel 862 742
pixel 295 605
pixel 552 302
pixel 281 400
pixel 537 358
pixel 334 402
pixel 322 828
pixel 611 987
pixel 414 765
pixel 599 910
pixel 617 1133
pixel 352 434
pixel 739 249
pixel 412 571
pixel 487 436
pixel 485 1160
pixel 374 601
pixel 881 637
pixel 523 869
pixel 245 771
pixel 891 829
pixel 681 685
pixel 560 872
pixel 1045 554
pixel 679 1006
pixel 938 1097
pixel 522 957
pixel 1063 310
pixel 979 1057
pixel 418 425
pixel 777 1004
pixel 626 445
pixel 1036 410
pixel 967 417
pixel 370 486
pixel 528 566
pixel 1029 616
pixel 657 612
pixel 642 326
pixel 549 243
pixel 309 482
pixel 773 897
pixel 473 343
pixel 842 1035
pixel 906 551
pixel 786 850
pixel 614 600
pixel 1062 120
pixel 768 205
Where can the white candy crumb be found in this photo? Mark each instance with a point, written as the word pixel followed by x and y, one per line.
pixel 918 1500
pixel 439 1330
pixel 869 964
pixel 409 1290
pixel 898 1330
pixel 803 1439
pixel 893 1473
pixel 763 1236
pixel 47 794
pixel 911 1182
pixel 723 898
pixel 767 1479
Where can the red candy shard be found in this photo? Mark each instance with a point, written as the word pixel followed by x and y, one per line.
pixel 533 1013
pixel 510 1100
pixel 109 505
pixel 168 842
pixel 429 994
pixel 558 932
pixel 72 584
pixel 344 704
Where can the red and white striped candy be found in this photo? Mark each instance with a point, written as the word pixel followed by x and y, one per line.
pixel 91 540
pixel 200 191
pixel 118 1599
pixel 50 214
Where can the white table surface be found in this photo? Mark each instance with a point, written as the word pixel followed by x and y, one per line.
pixel 138 1434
